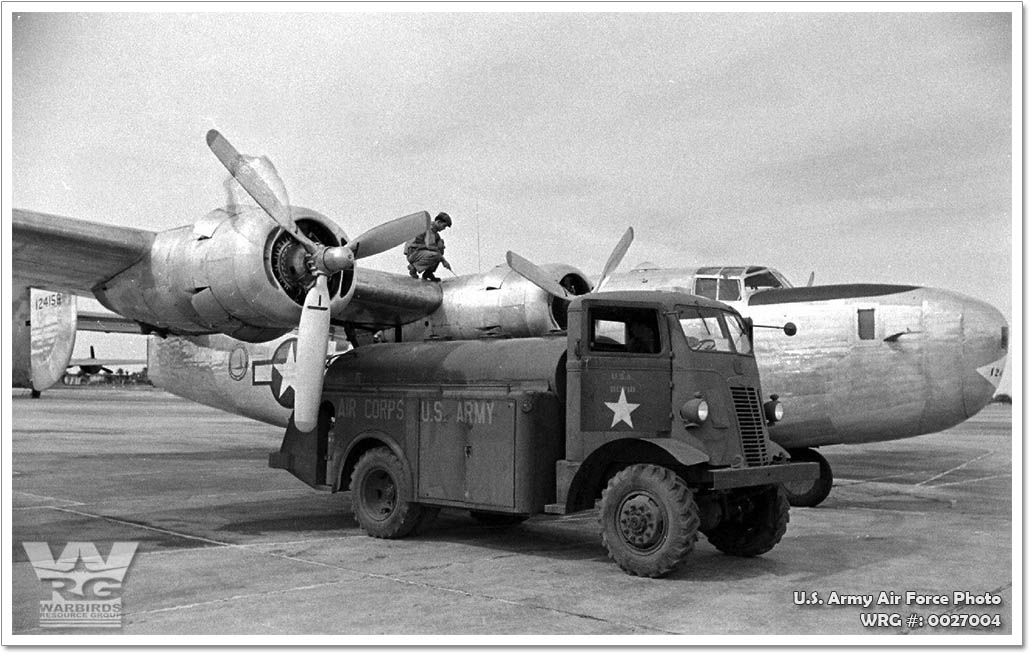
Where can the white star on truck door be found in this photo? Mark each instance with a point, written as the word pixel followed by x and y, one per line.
pixel 622 410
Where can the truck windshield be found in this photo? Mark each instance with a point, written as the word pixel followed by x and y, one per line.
pixel 712 329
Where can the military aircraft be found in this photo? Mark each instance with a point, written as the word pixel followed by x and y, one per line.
pixel 251 300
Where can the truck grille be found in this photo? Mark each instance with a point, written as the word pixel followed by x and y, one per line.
pixel 751 420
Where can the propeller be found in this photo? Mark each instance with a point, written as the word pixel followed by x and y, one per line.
pixel 312 342
pixel 260 180
pixel 615 258
pixel 542 280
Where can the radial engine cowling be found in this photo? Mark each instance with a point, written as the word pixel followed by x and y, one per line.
pixel 233 272
pixel 500 304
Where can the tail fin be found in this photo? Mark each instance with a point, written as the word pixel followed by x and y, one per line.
pixel 52 335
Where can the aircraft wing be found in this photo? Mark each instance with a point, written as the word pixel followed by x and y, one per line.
pixel 106 323
pixel 72 255
pixel 383 299
pixel 67 254
pixel 105 362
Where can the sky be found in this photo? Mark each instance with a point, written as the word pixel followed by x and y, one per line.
pixel 863 147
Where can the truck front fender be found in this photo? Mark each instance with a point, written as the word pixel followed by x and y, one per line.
pixel 593 474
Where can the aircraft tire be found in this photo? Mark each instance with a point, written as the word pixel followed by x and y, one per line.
pixel 649 520
pixel 759 522
pixel 378 487
pixel 809 495
pixel 497 518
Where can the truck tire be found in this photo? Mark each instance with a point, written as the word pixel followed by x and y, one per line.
pixel 649 520
pixel 809 494
pixel 756 523
pixel 378 487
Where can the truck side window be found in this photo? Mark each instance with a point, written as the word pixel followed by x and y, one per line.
pixel 633 331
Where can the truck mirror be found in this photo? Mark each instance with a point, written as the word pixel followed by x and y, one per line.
pixel 790 328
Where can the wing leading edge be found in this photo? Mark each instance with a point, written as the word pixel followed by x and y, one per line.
pixel 67 254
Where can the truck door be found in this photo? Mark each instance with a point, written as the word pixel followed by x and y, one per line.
pixel 625 370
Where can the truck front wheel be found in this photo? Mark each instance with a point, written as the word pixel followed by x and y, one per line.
pixel 378 490
pixel 649 520
pixel 754 522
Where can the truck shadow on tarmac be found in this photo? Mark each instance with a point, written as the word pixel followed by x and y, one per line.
pixel 454 538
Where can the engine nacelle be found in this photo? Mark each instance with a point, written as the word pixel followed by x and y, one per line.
pixel 233 272
pixel 499 303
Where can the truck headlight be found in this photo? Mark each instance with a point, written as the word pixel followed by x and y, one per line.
pixel 773 410
pixel 695 411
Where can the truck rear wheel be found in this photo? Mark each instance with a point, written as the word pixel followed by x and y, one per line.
pixel 378 487
pixel 649 520
pixel 754 522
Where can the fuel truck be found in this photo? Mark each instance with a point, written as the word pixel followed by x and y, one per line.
pixel 648 407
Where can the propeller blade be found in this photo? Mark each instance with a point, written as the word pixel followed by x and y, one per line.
pixel 536 275
pixel 312 342
pixel 258 177
pixel 389 234
pixel 615 258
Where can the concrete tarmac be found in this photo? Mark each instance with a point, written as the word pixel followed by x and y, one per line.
pixel 227 546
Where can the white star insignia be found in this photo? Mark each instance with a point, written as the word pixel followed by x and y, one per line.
pixel 622 410
pixel 287 370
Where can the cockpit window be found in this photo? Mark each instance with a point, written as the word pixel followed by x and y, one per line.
pixel 764 279
pixel 722 289
pixel 708 288
pixel 711 329
pixel 729 290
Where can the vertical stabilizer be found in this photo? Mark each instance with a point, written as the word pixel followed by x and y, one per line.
pixel 52 335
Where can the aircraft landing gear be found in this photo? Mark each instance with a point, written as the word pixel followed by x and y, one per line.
pixel 808 494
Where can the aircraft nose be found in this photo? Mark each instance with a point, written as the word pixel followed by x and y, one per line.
pixel 985 336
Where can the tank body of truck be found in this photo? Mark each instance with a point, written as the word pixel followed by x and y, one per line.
pixel 629 409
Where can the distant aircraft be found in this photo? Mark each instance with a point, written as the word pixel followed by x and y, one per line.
pixel 250 300
pixel 94 365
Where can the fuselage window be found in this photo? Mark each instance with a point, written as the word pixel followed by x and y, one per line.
pixel 866 324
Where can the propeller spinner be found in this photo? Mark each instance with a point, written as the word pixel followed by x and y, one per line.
pixel 258 177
